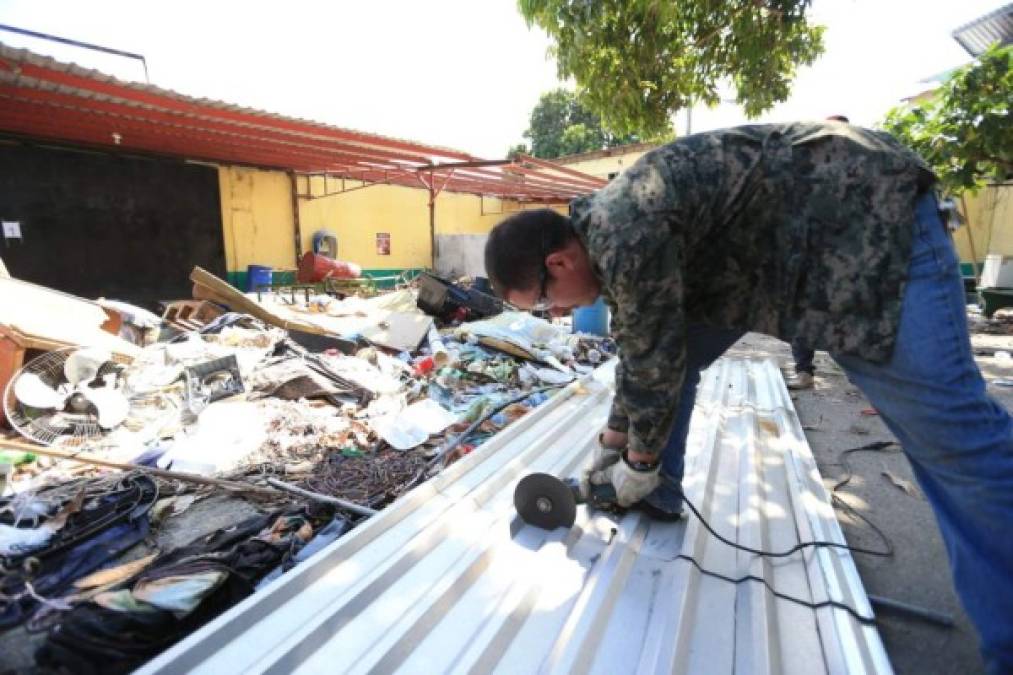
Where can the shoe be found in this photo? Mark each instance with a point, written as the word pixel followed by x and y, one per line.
pixel 665 503
pixel 801 380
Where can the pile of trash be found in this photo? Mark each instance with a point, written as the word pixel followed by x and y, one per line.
pixel 265 425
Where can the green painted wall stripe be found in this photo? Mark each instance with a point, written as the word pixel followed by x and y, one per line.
pixel 238 278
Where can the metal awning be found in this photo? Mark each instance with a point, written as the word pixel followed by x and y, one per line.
pixel 993 28
pixel 45 99
pixel 448 579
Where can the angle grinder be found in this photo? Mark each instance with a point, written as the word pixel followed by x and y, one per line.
pixel 547 502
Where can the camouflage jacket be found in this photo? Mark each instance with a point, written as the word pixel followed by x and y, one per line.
pixel 791 230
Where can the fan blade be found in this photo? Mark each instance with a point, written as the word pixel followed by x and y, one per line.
pixel 83 365
pixel 111 404
pixel 31 391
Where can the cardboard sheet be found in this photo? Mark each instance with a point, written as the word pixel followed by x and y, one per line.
pixel 41 318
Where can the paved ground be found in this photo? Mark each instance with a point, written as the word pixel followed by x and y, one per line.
pixel 918 573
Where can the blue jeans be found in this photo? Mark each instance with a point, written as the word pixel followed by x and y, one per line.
pixel 958 440
pixel 704 345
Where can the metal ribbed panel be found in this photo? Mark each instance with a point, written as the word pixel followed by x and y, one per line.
pixel 980 34
pixel 449 580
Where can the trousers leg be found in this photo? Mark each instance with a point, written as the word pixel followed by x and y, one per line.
pixel 958 440
pixel 704 345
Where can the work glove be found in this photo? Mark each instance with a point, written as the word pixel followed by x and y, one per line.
pixel 631 483
pixel 602 458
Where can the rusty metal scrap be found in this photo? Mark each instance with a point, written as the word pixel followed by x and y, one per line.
pixel 373 479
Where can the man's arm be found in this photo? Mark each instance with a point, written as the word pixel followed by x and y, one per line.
pixel 618 419
pixel 647 286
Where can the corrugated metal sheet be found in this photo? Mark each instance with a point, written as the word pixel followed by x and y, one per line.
pixel 45 99
pixel 450 580
pixel 978 35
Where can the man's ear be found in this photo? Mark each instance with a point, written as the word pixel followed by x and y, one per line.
pixel 560 260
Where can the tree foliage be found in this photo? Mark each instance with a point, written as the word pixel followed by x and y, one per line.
pixel 964 131
pixel 560 125
pixel 637 62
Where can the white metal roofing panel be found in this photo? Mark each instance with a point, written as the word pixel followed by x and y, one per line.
pixel 448 579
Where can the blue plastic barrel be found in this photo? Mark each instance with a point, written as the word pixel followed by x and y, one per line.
pixel 482 284
pixel 257 277
pixel 593 319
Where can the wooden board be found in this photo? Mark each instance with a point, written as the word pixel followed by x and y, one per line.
pixel 209 287
pixel 400 330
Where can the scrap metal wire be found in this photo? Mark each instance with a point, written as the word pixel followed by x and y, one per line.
pixel 373 480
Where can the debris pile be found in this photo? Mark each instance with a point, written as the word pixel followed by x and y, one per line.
pixel 158 470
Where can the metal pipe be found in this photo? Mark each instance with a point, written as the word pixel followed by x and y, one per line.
pixel 161 473
pixel 970 240
pixel 295 212
pixel 325 499
pixel 77 43
pixel 432 223
pixel 914 611
pixel 436 346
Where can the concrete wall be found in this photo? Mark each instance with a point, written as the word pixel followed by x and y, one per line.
pixel 461 255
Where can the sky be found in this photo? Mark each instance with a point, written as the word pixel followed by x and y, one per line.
pixel 455 73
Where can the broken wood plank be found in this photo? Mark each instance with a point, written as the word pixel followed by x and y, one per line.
pixel 209 287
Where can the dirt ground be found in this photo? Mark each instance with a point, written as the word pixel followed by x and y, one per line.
pixel 918 573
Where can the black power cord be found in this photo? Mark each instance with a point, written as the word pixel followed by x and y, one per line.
pixel 877 446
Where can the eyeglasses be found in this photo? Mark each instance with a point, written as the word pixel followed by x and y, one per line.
pixel 543 304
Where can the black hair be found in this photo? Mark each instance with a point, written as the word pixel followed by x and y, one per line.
pixel 839 118
pixel 516 248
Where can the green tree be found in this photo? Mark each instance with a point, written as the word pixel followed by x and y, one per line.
pixel 559 125
pixel 637 62
pixel 519 149
pixel 964 131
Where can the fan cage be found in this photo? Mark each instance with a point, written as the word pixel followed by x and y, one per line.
pixel 47 427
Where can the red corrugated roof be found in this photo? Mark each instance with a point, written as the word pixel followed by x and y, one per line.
pixel 45 99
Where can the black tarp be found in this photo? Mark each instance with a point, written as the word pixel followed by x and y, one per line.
pixel 115 226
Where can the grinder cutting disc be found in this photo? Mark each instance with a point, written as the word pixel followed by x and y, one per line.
pixel 545 501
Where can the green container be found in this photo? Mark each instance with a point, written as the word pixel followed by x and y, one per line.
pixel 16 457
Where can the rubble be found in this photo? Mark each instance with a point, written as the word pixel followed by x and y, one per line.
pixel 326 406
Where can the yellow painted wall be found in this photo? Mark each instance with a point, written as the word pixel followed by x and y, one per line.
pixel 258 225
pixel 603 166
pixel 257 222
pixel 990 218
pixel 356 217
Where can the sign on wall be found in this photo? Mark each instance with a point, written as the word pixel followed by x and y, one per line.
pixel 383 243
pixel 12 229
